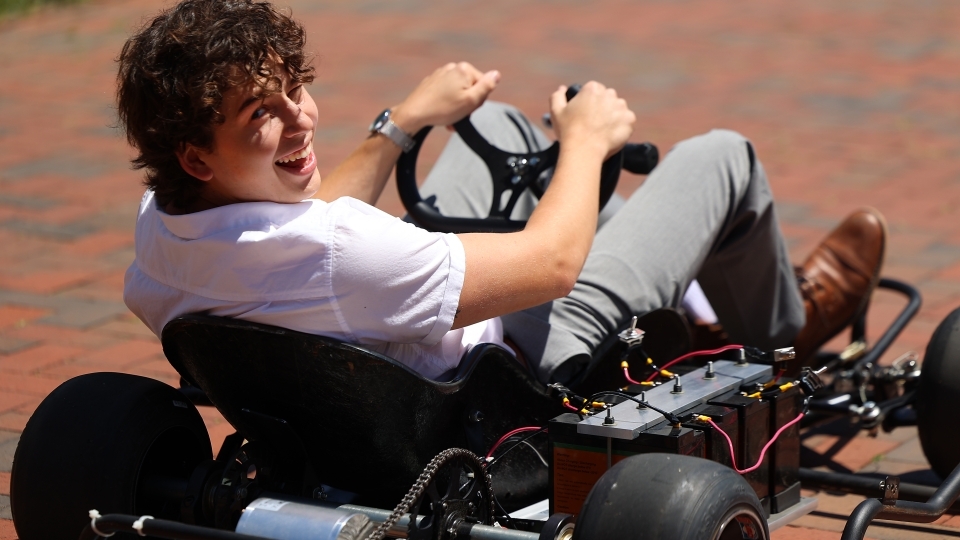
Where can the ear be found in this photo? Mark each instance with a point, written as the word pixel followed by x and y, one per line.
pixel 191 160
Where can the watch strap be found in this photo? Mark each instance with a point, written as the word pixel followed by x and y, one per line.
pixel 400 137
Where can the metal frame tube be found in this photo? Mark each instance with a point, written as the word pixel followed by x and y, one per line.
pixel 915 512
pixel 477 532
pixel 160 528
pixel 898 324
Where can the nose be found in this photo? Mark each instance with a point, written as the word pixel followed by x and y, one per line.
pixel 295 121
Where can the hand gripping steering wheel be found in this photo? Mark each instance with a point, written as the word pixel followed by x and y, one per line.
pixel 510 171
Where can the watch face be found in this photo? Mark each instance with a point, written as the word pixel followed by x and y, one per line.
pixel 380 120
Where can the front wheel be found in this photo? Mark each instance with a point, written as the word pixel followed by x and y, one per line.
pixel 938 394
pixel 655 496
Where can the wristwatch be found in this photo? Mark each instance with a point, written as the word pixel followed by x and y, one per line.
pixel 384 125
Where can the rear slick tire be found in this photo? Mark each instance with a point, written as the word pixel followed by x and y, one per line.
pixel 91 444
pixel 938 395
pixel 657 496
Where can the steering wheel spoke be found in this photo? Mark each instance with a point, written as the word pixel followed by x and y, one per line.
pixel 511 173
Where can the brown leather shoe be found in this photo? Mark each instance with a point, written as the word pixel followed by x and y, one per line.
pixel 837 279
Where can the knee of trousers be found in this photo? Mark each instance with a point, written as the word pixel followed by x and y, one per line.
pixel 721 147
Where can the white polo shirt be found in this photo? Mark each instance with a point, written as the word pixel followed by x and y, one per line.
pixel 343 269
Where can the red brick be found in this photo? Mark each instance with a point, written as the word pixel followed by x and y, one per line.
pixel 950 521
pixel 28 384
pixel 166 377
pixel 124 353
pixel 791 532
pixel 13 421
pixel 11 315
pixel 858 452
pixel 157 368
pixel 67 371
pixel 13 400
pixel 45 282
pixel 37 358
pixel 4 483
pixel 127 326
pixel 100 243
pixel 7 532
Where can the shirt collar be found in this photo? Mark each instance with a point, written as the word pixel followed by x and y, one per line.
pixel 249 216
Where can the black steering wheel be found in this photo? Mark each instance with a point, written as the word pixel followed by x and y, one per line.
pixel 510 171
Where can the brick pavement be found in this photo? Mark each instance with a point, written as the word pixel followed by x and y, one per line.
pixel 848 102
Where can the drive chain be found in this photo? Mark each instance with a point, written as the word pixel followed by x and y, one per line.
pixel 427 476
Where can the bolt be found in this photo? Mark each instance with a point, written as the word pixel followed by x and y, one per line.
pixel 643 397
pixel 677 387
pixel 710 373
pixel 742 361
pixel 609 420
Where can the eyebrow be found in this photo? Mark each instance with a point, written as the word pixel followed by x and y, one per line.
pixel 246 103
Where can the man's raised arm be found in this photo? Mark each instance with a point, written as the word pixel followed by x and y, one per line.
pixel 509 272
pixel 450 93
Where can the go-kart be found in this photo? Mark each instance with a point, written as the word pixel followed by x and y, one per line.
pixel 335 441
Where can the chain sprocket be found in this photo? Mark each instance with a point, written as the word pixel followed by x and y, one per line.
pixel 458 488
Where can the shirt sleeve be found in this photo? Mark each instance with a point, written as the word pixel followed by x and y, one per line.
pixel 391 280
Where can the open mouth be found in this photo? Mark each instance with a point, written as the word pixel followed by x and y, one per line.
pixel 298 159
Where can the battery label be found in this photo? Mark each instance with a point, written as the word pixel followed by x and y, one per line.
pixel 575 470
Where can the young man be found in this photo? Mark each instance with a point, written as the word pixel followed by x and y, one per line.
pixel 238 223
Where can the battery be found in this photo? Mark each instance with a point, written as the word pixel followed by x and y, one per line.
pixel 577 461
pixel 753 419
pixel 716 447
pixel 785 452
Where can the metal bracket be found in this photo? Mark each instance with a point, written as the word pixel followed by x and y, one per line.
pixel 891 490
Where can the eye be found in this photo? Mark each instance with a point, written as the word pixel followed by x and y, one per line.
pixel 296 94
pixel 258 113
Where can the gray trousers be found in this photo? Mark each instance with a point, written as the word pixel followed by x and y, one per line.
pixel 706 213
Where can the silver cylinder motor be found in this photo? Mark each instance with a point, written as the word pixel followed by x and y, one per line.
pixel 286 520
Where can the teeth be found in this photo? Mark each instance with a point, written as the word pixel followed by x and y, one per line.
pixel 299 155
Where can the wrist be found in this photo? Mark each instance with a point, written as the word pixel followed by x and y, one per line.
pixel 406 121
pixel 385 125
pixel 585 146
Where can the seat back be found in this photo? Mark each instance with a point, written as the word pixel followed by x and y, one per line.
pixel 367 423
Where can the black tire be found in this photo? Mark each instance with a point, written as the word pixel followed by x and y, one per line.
pixel 91 442
pixel 938 394
pixel 657 496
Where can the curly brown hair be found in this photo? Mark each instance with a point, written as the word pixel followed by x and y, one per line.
pixel 175 69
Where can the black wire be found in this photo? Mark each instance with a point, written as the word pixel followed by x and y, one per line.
pixel 672 418
pixel 508 520
pixel 518 443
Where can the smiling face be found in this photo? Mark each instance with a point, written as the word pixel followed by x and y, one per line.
pixel 263 150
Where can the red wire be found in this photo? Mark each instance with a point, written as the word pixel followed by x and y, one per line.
pixel 508 435
pixel 691 355
pixel 626 373
pixel 571 407
pixel 733 456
